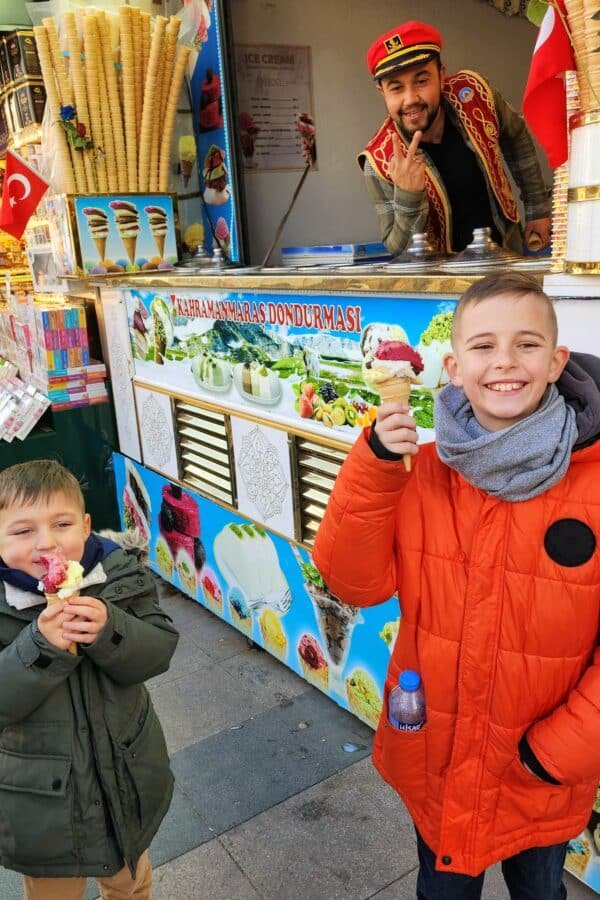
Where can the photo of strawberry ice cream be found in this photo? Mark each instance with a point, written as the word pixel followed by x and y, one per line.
pixel 315 667
pixel 222 235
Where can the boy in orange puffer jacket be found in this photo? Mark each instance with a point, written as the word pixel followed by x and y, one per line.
pixel 491 544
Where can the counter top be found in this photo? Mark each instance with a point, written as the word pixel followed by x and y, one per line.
pixel 295 282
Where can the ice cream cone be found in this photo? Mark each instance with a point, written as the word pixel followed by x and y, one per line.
pixel 130 244
pixel 396 390
pixel 52 599
pixel 159 240
pixel 187 167
pixel 100 244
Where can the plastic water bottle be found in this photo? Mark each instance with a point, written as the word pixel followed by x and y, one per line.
pixel 406 703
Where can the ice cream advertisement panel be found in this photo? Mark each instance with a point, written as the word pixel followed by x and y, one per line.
pixel 126 233
pixel 317 362
pixel 264 586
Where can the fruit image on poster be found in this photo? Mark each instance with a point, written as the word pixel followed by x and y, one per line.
pixel 315 362
pixel 264 586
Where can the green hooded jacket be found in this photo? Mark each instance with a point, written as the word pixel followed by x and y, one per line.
pixel 84 771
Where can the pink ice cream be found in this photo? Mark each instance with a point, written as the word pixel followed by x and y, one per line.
pixel 311 653
pixel 56 564
pixel 397 351
pixel 222 234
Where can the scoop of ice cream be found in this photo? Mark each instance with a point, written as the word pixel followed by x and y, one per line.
pixel 398 351
pixel 56 566
pixel 221 230
pixel 187 148
pixel 193 236
pixel 309 650
pixel 389 632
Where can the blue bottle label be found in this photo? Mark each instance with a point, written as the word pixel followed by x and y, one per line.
pixel 402 726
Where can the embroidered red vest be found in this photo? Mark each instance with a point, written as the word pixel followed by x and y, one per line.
pixel 471 96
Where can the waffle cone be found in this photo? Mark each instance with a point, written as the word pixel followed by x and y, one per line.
pixel 51 600
pixel 397 390
pixel 130 244
pixel 100 244
pixel 159 240
pixel 394 390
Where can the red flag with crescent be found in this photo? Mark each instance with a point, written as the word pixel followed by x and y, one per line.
pixel 545 99
pixel 22 191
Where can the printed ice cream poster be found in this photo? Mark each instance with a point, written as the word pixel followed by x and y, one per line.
pixel 323 364
pixel 129 233
pixel 264 586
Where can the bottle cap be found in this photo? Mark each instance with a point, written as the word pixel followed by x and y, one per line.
pixel 409 680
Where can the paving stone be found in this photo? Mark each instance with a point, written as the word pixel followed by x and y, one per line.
pixel 236 774
pixel 187 658
pixel 343 839
pixel 208 873
pixel 265 675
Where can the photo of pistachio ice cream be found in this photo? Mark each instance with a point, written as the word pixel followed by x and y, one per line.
pixel 127 219
pixel 364 698
pixel 389 633
pixel 164 559
pixel 163 331
pixel 187 572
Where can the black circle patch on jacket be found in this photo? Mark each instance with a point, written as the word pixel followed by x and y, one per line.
pixel 570 542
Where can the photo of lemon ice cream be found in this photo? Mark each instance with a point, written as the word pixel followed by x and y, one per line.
pixel 164 559
pixel 364 699
pixel 187 156
pixel 273 635
pixel 193 236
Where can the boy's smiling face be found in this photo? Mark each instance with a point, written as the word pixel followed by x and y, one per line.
pixel 34 530
pixel 504 355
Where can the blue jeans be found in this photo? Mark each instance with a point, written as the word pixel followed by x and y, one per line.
pixel 534 874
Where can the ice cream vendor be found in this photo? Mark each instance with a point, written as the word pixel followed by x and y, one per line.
pixel 437 163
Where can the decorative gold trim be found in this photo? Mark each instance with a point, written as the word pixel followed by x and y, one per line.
pixel 229 411
pixel 585 192
pixel 296 283
pixel 590 117
pixel 582 268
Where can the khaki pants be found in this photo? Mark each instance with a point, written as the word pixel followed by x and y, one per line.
pixel 118 887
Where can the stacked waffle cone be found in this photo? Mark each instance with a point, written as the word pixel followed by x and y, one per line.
pixel 123 75
pixel 396 390
pixel 584 25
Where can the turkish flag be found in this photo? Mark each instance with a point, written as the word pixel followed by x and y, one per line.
pixel 545 98
pixel 22 191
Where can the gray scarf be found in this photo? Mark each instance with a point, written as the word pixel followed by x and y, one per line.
pixel 514 464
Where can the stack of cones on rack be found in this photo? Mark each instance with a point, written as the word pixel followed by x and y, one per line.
pixel 584 24
pixel 560 187
pixel 114 81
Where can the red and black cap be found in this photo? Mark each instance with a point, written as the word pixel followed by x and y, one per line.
pixel 404 46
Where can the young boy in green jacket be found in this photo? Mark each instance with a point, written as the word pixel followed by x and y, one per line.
pixel 84 770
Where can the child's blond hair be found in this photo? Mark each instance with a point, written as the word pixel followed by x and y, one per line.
pixel 35 481
pixel 513 285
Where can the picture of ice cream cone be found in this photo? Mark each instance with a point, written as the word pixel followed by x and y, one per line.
pixel 97 222
pixel 390 368
pixel 127 219
pixel 187 156
pixel 62 581
pixel 159 225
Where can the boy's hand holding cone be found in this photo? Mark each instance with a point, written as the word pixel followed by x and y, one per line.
pixel 391 370
pixel 62 581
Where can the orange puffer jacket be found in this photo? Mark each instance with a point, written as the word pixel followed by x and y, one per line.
pixel 500 615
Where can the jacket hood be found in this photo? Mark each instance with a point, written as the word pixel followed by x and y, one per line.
pixel 579 384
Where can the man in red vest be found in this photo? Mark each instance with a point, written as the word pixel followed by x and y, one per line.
pixel 438 162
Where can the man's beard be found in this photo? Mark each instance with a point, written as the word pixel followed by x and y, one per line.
pixel 408 133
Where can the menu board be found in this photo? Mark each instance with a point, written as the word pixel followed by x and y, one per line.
pixel 274 92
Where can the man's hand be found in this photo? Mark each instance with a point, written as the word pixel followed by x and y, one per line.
pixel 51 623
pixel 87 617
pixel 396 429
pixel 537 234
pixel 407 172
